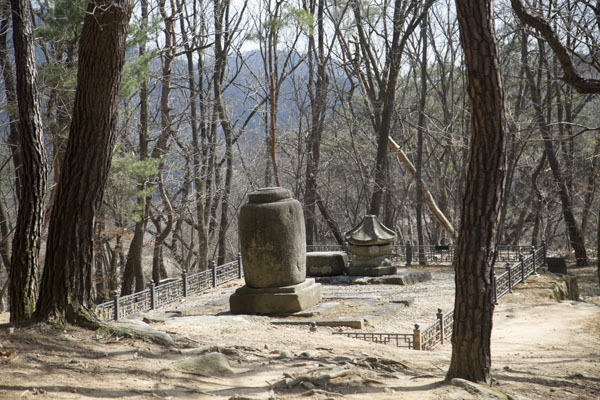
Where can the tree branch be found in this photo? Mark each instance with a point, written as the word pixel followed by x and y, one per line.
pixel 571 76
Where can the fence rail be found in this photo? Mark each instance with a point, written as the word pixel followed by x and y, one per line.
pixel 440 330
pixel 398 339
pixel 168 292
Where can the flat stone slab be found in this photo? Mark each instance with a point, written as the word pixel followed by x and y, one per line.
pixel 402 277
pixel 384 312
pixel 281 300
pixel 406 301
pixel 368 270
pixel 345 322
pixel 326 263
pixel 318 309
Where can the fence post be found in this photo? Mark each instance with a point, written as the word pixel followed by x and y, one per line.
pixel 417 338
pixel 408 253
pixel 440 317
pixel 495 289
pixel 213 266
pixel 522 267
pixel 152 295
pixel 509 278
pixel 239 259
pixel 544 249
pixel 116 300
pixel 185 282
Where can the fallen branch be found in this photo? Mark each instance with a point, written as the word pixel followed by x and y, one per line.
pixel 431 204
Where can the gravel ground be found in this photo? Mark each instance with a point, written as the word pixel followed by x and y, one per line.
pixel 377 305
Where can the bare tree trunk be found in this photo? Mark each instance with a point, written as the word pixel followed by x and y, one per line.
pixel 420 132
pixel 474 299
pixel 318 99
pixel 11 95
pixel 573 231
pixel 27 239
pixel 133 265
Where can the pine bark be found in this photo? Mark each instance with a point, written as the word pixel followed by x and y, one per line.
pixel 67 280
pixel 474 299
pixel 27 239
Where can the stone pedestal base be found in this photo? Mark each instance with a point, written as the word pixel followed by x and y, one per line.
pixel 371 267
pixel 280 300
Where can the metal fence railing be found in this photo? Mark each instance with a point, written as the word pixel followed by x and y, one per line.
pixel 440 330
pixel 168 292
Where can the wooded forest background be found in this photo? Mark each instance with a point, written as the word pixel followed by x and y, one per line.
pixel 219 98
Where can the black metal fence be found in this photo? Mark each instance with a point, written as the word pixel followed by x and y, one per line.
pixel 170 291
pixel 440 331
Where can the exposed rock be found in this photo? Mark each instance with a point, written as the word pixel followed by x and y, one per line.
pixel 208 364
pixel 141 330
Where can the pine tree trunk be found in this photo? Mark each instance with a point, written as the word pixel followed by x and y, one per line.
pixel 474 299
pixel 28 231
pixel 67 280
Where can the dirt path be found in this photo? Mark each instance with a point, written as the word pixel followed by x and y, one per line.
pixel 542 349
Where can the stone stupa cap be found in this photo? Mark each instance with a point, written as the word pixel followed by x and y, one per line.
pixel 370 232
pixel 269 195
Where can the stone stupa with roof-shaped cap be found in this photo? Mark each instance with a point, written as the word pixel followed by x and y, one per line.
pixel 371 242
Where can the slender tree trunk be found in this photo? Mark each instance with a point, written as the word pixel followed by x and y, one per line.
pixel 318 99
pixel 133 265
pixel 221 53
pixel 11 94
pixel 420 132
pixel 67 279
pixel 198 146
pixel 474 299
pixel 27 239
pixel 573 231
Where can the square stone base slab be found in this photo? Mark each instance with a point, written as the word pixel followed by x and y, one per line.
pixel 362 270
pixel 281 300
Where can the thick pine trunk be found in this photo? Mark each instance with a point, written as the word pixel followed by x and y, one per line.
pixel 474 299
pixel 67 279
pixel 28 231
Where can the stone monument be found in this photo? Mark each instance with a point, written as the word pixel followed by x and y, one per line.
pixel 370 242
pixel 273 246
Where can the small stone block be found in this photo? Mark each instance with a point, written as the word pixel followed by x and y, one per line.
pixel 556 265
pixel 284 300
pixel 326 263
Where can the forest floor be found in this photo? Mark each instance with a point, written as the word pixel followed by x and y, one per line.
pixel 541 349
